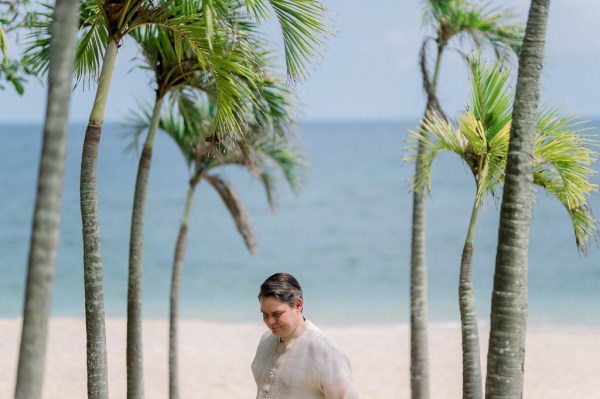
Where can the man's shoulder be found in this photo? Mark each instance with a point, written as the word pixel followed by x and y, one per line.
pixel 267 339
pixel 318 339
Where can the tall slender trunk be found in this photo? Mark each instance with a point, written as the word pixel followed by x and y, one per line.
pixel 472 382
pixel 506 353
pixel 46 219
pixel 135 370
pixel 419 352
pixel 97 369
pixel 175 289
pixel 419 348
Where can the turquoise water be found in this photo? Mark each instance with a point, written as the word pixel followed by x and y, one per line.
pixel 346 237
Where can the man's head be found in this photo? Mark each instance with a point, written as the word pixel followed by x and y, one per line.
pixel 281 303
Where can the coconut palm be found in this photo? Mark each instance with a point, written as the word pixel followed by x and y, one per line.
pixel 210 53
pixel 449 21
pixel 563 156
pixel 174 66
pixel 46 218
pixel 206 27
pixel 190 126
pixel 506 351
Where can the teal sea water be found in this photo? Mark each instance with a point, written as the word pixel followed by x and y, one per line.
pixel 346 237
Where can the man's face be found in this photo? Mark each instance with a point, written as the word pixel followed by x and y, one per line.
pixel 281 318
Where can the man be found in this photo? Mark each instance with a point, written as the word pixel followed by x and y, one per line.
pixel 295 360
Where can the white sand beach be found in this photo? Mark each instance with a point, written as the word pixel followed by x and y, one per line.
pixel 215 359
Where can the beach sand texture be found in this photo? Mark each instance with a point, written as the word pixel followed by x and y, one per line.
pixel 215 359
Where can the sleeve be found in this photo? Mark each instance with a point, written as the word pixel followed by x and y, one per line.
pixel 336 376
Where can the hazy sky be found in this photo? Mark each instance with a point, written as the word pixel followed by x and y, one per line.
pixel 370 70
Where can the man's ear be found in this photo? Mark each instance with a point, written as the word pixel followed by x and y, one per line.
pixel 299 304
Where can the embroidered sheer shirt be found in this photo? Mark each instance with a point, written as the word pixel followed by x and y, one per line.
pixel 309 366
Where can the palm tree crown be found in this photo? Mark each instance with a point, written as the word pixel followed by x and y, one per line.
pixel 477 21
pixel 563 153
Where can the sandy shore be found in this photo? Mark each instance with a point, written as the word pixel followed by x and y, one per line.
pixel 215 360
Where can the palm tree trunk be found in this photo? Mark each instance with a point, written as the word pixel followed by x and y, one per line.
pixel 97 369
pixel 135 370
pixel 46 219
pixel 419 352
pixel 175 289
pixel 472 385
pixel 419 348
pixel 506 353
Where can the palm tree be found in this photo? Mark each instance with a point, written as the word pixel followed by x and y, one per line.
pixel 173 69
pixel 46 218
pixel 174 66
pixel 506 351
pixel 450 20
pixel 191 129
pixel 562 167
pixel 202 25
pixel 108 24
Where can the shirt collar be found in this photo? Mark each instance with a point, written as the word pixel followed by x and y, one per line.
pixel 301 329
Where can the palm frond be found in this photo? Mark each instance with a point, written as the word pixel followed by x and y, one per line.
pixel 189 122
pixel 136 124
pixel 481 22
pixel 91 46
pixel 278 106
pixel 486 24
pixel 236 209
pixel 287 157
pixel 303 29
pixel 433 10
pixel 491 95
pixel 268 181
pixel 437 135
pixel 3 42
pixel 563 167
pixel 37 41
pixel 496 159
pixel 231 68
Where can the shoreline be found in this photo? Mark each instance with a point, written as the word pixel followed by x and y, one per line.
pixel 483 324
pixel 215 359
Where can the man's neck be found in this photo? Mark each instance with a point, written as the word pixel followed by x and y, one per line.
pixel 294 334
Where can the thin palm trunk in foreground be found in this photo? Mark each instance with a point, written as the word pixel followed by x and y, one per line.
pixel 419 347
pixel 135 371
pixel 46 219
pixel 506 353
pixel 97 368
pixel 472 382
pixel 175 289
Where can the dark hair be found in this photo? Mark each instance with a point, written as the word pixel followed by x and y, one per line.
pixel 282 286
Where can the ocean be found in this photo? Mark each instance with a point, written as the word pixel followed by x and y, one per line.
pixel 346 236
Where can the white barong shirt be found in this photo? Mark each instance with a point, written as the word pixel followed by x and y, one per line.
pixel 309 366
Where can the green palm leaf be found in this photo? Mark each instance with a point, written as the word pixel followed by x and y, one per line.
pixel 563 167
pixel 491 95
pixel 302 28
pixel 236 209
pixel 564 155
pixel 3 42
pixel 480 22
pixel 437 135
pixel 91 45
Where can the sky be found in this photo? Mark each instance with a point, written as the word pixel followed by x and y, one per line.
pixel 370 68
